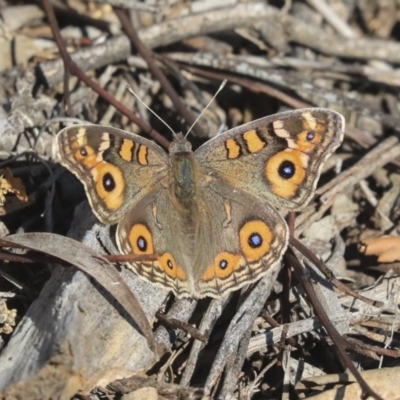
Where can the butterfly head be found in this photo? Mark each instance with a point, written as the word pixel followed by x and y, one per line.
pixel 179 144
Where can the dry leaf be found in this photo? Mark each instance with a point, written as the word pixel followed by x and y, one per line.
pixel 7 318
pixel 383 381
pixel 9 184
pixel 386 248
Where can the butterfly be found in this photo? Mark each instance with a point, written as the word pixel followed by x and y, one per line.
pixel 209 219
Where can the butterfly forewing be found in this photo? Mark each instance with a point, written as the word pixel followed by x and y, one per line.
pixel 277 158
pixel 117 168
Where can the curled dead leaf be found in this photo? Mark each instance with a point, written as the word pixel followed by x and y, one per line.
pixel 9 184
pixel 382 381
pixel 386 248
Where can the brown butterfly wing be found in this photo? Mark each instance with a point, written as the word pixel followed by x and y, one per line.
pixel 278 158
pixel 117 168
pixel 228 240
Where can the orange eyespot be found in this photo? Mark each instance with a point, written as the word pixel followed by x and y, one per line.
pixel 255 239
pixel 307 140
pixel 285 171
pixel 224 265
pixel 110 184
pixel 141 239
pixel 84 153
pixel 168 265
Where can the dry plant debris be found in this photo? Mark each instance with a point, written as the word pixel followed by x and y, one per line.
pixel 9 184
pixel 386 248
pixel 63 335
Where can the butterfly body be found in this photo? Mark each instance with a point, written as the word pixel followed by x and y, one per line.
pixel 209 217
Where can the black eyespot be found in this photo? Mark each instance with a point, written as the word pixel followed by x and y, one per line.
pixel 310 136
pixel 255 240
pixel 83 151
pixel 170 264
pixel 223 264
pixel 142 243
pixel 287 169
pixel 108 182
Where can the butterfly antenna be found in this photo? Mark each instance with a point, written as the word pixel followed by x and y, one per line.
pixel 208 105
pixel 141 101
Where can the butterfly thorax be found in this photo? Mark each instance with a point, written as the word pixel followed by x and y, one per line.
pixel 183 170
pixel 184 176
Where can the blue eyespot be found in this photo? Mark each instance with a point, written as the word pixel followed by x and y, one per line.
pixel 142 243
pixel 255 240
pixel 108 182
pixel 287 169
pixel 310 136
